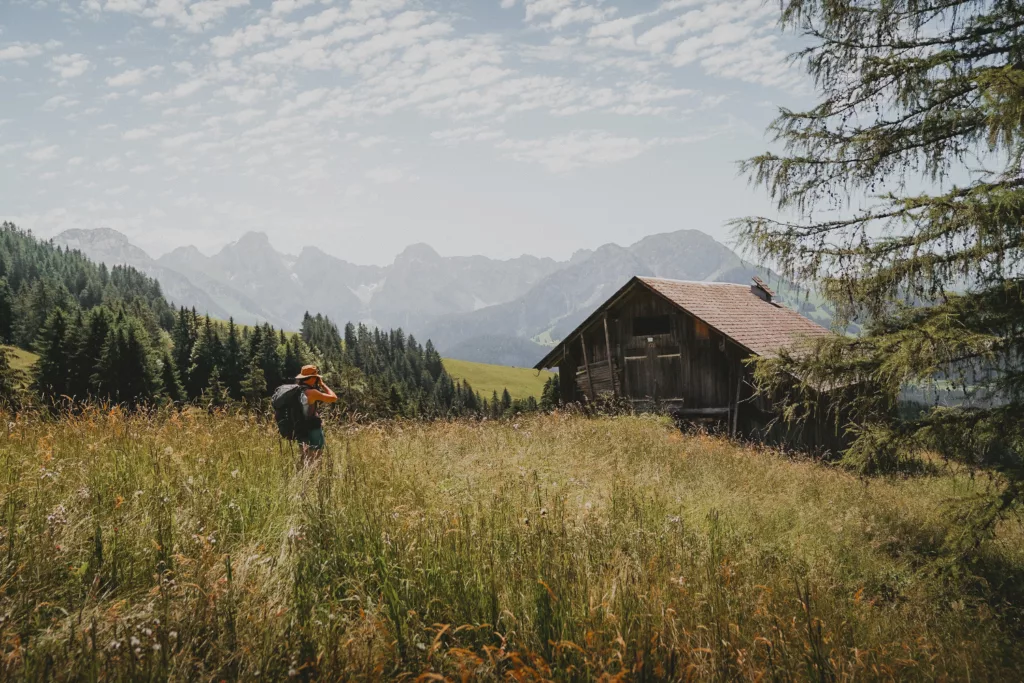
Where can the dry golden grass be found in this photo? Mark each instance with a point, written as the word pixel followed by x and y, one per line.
pixel 191 547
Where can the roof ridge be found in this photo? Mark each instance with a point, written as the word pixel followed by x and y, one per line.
pixel 647 278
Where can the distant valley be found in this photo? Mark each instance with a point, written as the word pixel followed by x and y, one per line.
pixel 474 308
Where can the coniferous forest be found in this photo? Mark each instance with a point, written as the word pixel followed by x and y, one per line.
pixel 109 335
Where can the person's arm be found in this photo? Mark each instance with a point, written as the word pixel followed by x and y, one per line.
pixel 324 394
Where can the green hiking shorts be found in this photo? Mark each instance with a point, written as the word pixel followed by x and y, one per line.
pixel 315 438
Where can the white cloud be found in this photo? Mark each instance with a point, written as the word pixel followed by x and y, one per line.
pixel 181 140
pixel 76 161
pixel 194 16
pixel 385 174
pixel 179 91
pixel 41 154
pixel 455 136
pixel 279 7
pixel 69 66
pixel 57 102
pixel 141 133
pixel 20 51
pixel 576 150
pixel 133 77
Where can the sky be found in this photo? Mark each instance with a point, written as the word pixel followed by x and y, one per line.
pixel 494 127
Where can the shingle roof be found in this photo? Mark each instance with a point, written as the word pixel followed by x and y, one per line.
pixel 734 310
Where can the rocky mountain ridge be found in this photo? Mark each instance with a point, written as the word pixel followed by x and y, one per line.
pixel 472 307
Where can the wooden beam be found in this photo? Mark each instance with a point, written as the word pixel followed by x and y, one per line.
pixel 736 400
pixel 608 350
pixel 586 366
pixel 702 411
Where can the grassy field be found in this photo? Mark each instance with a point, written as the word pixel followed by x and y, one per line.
pixel 190 547
pixel 520 382
pixel 23 360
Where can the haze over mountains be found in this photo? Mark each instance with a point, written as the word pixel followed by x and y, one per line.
pixel 472 307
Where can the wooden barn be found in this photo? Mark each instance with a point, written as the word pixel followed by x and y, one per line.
pixel 680 347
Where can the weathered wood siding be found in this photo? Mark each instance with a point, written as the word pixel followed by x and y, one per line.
pixel 682 362
pixel 683 366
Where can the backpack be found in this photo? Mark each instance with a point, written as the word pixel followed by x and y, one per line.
pixel 288 413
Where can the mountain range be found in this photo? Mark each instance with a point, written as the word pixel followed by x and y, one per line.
pixel 472 307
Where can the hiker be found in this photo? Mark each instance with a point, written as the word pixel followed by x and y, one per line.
pixel 295 410
pixel 316 392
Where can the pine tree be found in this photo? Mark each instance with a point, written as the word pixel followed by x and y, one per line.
pixel 80 368
pixel 109 378
pixel 254 385
pixel 913 98
pixel 270 359
pixel 506 402
pixel 171 383
pixel 215 396
pixel 6 313
pixel 53 370
pixel 140 383
pixel 11 381
pixel 233 363
pixel 205 360
pixel 90 352
pixel 184 335
pixel 551 396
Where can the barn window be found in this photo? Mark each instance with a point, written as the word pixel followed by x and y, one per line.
pixel 700 330
pixel 648 326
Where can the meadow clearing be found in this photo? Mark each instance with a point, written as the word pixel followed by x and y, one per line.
pixel 192 547
pixel 520 382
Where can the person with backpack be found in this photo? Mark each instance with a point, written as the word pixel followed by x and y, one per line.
pixel 296 410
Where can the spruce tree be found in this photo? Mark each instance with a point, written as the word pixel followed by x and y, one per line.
pixel 550 397
pixel 12 381
pixel 254 385
pixel 183 336
pixel 91 351
pixel 214 395
pixel 506 402
pixel 233 363
pixel 80 370
pixel 919 125
pixel 53 370
pixel 204 361
pixel 139 382
pixel 108 379
pixel 170 382
pixel 6 313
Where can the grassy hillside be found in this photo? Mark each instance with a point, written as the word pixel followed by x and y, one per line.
pixel 23 360
pixel 191 547
pixel 520 382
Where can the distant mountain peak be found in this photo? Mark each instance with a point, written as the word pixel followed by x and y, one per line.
pixel 420 251
pixel 253 239
pixel 94 234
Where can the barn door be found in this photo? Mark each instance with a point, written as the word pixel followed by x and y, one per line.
pixel 652 369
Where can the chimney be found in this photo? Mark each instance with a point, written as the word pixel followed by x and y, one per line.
pixel 763 291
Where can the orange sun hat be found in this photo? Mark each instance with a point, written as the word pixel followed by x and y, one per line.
pixel 307 372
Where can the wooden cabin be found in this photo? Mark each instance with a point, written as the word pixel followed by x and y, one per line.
pixel 680 347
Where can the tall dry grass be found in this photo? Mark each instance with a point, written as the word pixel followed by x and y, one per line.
pixel 192 547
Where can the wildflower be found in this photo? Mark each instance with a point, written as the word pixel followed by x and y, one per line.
pixel 168 451
pixel 543 512
pixel 234 474
pixel 156 647
pixel 135 642
pixel 526 521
